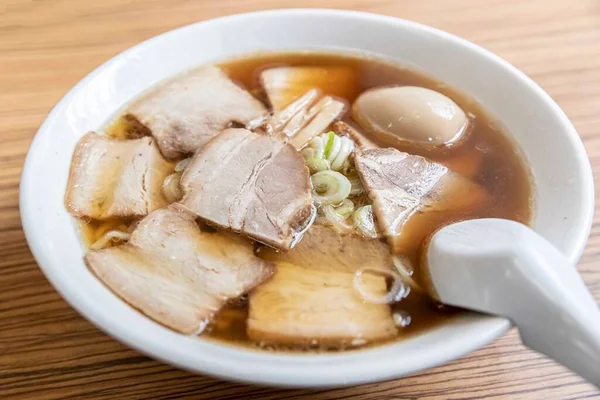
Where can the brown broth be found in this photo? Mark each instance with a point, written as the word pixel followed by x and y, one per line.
pixel 488 157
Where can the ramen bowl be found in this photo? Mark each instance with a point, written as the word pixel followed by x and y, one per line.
pixel 561 172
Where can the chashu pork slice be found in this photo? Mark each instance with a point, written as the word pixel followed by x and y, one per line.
pixel 251 184
pixel 116 178
pixel 311 300
pixel 304 306
pixel 186 112
pixel 176 274
pixel 405 188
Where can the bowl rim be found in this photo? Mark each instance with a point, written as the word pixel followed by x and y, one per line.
pixel 303 374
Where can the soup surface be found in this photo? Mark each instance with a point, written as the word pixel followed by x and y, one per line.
pixel 487 156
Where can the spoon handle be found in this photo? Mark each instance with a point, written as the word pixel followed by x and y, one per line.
pixel 513 272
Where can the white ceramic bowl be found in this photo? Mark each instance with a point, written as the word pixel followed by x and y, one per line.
pixel 549 141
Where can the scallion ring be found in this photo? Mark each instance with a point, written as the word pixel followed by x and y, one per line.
pixel 114 236
pixel 404 268
pixel 345 208
pixel 328 141
pixel 397 292
pixel 183 164
pixel 365 222
pixel 307 153
pixel 346 147
pixel 318 146
pixel 335 148
pixel 316 164
pixel 337 220
pixel 357 187
pixel 171 187
pixel 329 187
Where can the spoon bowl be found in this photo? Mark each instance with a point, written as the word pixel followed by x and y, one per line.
pixel 504 268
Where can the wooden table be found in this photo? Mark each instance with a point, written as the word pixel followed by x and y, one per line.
pixel 48 351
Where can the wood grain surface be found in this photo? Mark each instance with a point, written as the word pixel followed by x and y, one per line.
pixel 47 351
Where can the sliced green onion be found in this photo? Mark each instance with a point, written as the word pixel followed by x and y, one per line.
pixel 315 165
pixel 329 187
pixel 346 167
pixel 338 221
pixel 110 236
pixel 346 147
pixel 171 187
pixel 317 144
pixel 183 164
pixel 357 187
pixel 346 208
pixel 308 153
pixel 335 149
pixel 364 221
pixel 404 268
pixel 329 140
pixel 397 291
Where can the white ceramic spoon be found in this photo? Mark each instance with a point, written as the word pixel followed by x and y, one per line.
pixel 504 268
